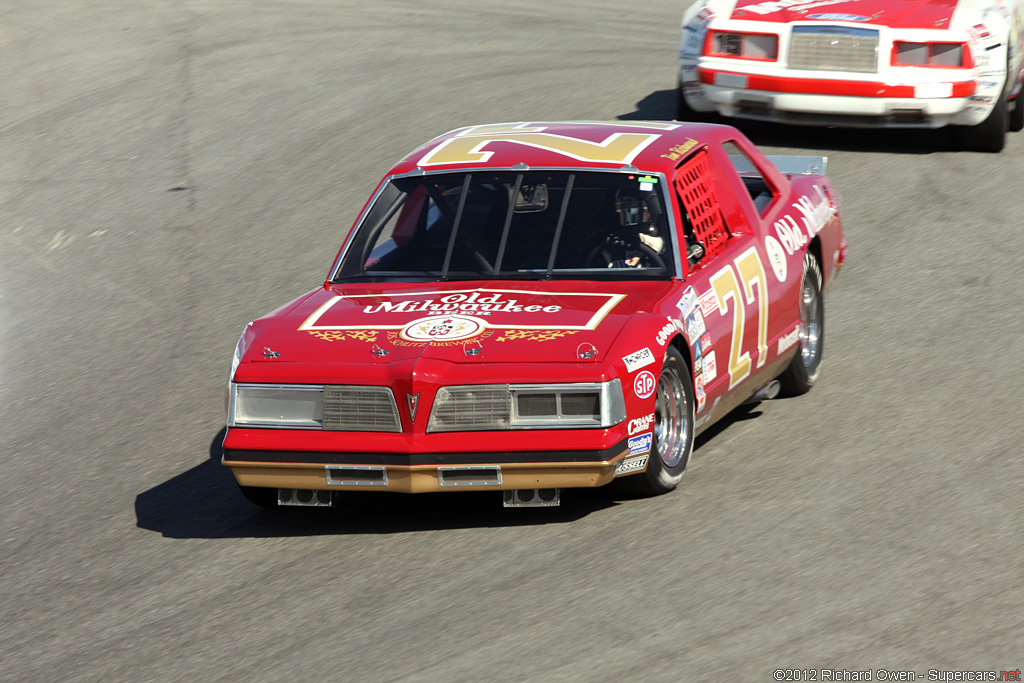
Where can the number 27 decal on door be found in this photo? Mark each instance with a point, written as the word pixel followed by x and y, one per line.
pixel 737 282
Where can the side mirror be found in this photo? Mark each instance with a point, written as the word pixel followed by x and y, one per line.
pixel 694 252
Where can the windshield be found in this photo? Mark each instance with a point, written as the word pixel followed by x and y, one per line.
pixel 530 225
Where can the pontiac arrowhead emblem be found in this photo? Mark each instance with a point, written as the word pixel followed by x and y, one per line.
pixel 414 403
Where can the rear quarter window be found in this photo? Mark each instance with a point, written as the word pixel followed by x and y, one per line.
pixel 761 192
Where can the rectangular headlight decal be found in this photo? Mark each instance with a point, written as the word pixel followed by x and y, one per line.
pixel 294 406
pixel 498 407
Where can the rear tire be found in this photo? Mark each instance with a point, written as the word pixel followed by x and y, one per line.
pixel 673 430
pixel 802 372
pixel 987 136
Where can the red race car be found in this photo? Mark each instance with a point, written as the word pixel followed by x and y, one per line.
pixel 530 307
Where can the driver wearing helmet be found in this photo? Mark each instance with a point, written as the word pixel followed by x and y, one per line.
pixel 638 231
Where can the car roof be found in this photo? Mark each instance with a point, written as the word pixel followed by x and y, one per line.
pixel 646 146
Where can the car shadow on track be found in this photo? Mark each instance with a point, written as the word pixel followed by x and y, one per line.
pixel 660 106
pixel 204 502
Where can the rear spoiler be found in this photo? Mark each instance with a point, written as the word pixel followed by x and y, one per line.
pixel 799 165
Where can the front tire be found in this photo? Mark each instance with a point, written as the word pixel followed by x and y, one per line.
pixel 673 429
pixel 685 113
pixel 987 136
pixel 802 372
pixel 1017 113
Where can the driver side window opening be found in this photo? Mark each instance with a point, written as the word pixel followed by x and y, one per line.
pixel 703 224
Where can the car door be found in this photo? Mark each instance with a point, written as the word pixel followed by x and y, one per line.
pixel 729 330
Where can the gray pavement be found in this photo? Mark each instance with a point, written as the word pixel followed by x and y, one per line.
pixel 169 171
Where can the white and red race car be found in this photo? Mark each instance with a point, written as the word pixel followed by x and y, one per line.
pixel 857 63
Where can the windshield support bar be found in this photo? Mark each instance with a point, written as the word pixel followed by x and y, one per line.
pixel 508 223
pixel 561 222
pixel 368 247
pixel 455 226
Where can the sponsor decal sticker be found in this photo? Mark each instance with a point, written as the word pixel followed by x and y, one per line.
pixel 787 340
pixel 776 257
pixel 461 303
pixel 708 302
pixel 710 366
pixel 630 465
pixel 640 424
pixel 701 421
pixel 839 17
pixel 640 444
pixel 676 151
pixel 813 217
pixel 442 328
pixel 695 325
pixel 705 342
pixel 638 359
pixel 769 7
pixel 644 384
pixel 511 310
pixel 979 32
pixel 668 330
pixel 698 364
pixel 693 41
pixel 647 182
pixel 689 303
pixel 698 385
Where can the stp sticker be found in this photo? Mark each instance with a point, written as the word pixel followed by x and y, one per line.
pixel 638 359
pixel 640 444
pixel 630 465
pixel 644 384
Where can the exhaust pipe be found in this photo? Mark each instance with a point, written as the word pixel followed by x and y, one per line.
pixel 765 393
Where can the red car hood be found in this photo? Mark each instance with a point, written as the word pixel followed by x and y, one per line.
pixel 458 322
pixel 895 13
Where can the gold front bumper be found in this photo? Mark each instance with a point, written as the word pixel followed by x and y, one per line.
pixel 429 478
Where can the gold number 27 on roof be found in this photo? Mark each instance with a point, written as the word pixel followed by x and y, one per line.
pixel 728 286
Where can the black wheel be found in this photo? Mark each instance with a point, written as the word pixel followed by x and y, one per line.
pixel 987 136
pixel 265 498
pixel 1017 113
pixel 800 375
pixel 685 113
pixel 673 429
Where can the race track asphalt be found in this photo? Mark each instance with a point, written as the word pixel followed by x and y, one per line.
pixel 169 171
